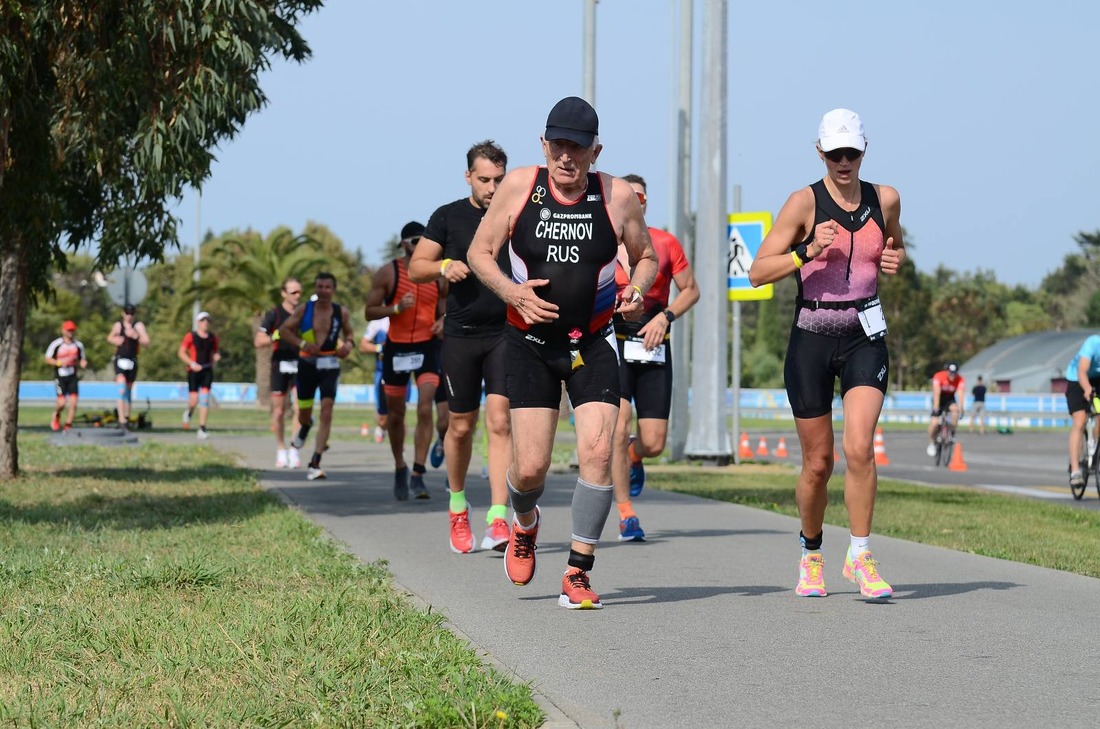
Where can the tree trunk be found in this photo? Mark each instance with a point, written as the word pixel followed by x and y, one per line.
pixel 13 317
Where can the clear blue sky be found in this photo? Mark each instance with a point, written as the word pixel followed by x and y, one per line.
pixel 984 115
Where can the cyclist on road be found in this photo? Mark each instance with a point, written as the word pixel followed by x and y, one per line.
pixel 945 384
pixel 1083 381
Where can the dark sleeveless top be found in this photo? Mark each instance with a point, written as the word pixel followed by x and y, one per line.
pixel 574 246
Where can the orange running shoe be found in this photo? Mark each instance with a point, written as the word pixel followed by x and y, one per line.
pixel 519 560
pixel 462 539
pixel 576 592
pixel 496 536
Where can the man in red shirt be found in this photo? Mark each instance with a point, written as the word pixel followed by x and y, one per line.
pixel 645 367
pixel 199 351
pixel 64 354
pixel 945 384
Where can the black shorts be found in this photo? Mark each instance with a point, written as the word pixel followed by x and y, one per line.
pixel 201 380
pixel 1075 395
pixel 130 373
pixel 406 356
pixel 648 385
pixel 67 385
pixel 534 372
pixel 947 399
pixel 466 362
pixel 814 361
pixel 283 382
pixel 311 379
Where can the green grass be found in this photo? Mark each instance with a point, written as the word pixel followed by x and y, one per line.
pixel 158 585
pixel 1007 527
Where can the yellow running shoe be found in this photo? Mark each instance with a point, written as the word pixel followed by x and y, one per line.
pixel 863 570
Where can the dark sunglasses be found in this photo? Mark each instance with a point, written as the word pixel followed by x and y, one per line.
pixel 641 198
pixel 835 155
pixel 293 293
pixel 412 241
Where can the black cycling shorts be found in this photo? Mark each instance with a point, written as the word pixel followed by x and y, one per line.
pixel 283 382
pixel 534 372
pixel 404 356
pixel 467 361
pixel 201 380
pixel 311 379
pixel 67 385
pixel 1075 395
pixel 947 399
pixel 648 385
pixel 814 361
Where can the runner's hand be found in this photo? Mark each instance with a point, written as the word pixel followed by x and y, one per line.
pixel 653 333
pixel 824 235
pixel 891 258
pixel 533 309
pixel 343 351
pixel 456 271
pixel 407 301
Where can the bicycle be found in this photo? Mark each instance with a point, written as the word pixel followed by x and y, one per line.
pixel 945 439
pixel 1089 458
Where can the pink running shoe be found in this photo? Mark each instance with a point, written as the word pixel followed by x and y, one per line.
pixel 576 592
pixel 811 580
pixel 863 570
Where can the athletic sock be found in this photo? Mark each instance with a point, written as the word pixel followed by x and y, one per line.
pixel 859 544
pixel 496 511
pixel 458 502
pixel 626 510
pixel 315 462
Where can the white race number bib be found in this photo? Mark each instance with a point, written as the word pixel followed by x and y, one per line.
pixel 328 362
pixel 634 351
pixel 125 364
pixel 288 366
pixel 408 362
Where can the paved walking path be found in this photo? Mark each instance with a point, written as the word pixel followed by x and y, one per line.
pixel 701 627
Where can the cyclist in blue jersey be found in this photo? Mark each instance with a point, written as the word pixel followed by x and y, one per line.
pixel 1083 381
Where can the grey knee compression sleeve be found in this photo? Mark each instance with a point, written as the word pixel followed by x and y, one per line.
pixel 523 501
pixel 591 505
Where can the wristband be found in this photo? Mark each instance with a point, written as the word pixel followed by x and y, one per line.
pixel 798 262
pixel 443 266
pixel 669 315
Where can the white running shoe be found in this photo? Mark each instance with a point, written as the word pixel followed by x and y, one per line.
pixel 203 435
pixel 281 459
pixel 379 434
pixel 931 450
pixel 315 473
pixel 293 460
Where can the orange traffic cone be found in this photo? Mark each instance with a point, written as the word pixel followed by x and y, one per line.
pixel 745 450
pixel 762 447
pixel 781 449
pixel 957 463
pixel 365 430
pixel 880 449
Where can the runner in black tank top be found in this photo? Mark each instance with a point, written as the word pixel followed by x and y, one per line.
pixel 284 368
pixel 564 226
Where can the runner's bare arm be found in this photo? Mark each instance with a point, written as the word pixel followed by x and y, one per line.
pixel 381 289
pixel 639 247
pixel 773 260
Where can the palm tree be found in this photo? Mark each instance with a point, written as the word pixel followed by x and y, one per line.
pixel 245 274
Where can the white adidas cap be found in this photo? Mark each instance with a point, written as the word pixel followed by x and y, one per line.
pixel 841 128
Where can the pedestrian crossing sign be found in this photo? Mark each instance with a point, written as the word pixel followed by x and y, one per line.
pixel 746 233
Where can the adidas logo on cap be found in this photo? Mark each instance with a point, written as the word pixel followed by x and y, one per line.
pixel 843 130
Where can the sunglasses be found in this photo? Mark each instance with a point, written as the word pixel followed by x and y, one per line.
pixel 641 198
pixel 293 293
pixel 835 155
pixel 412 241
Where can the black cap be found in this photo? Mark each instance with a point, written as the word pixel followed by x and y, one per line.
pixel 129 309
pixel 574 119
pixel 412 230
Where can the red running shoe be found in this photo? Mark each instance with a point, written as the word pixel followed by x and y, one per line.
pixel 576 592
pixel 496 536
pixel 462 539
pixel 519 560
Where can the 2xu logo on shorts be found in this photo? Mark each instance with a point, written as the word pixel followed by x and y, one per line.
pixel 882 373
